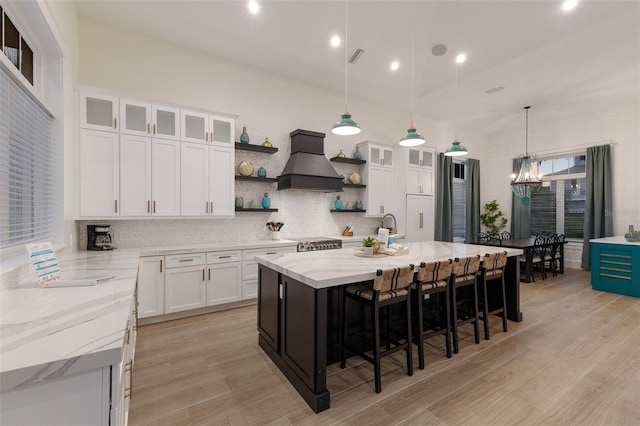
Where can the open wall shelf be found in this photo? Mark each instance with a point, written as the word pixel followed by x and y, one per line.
pixel 256 210
pixel 347 160
pixel 256 148
pixel 256 178
pixel 347 211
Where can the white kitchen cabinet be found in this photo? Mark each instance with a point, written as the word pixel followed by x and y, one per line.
pixel 151 286
pixel 135 175
pixel 99 173
pixel 376 153
pixel 185 287
pixel 207 180
pixel 165 177
pixel 415 169
pixel 250 268
pixel 208 128
pixel 378 199
pixel 165 122
pixel 224 283
pixel 419 218
pixel 135 118
pixel 99 112
pixel 419 181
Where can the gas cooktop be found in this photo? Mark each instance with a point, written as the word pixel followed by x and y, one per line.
pixel 318 243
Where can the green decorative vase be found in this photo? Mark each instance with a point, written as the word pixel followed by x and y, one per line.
pixel 244 137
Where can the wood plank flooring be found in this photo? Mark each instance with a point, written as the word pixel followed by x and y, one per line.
pixel 574 360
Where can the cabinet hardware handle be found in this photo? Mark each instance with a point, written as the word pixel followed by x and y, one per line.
pixel 224 257
pixel 148 206
pixel 280 291
pixel 115 123
pixel 186 260
pixel 116 205
pixel 127 395
pixel 421 190
pixel 154 128
pixel 148 128
pixel 211 209
pixel 421 222
pixel 206 204
pixel 206 136
pixel 271 252
pixel 160 265
pixel 209 274
pixel 154 206
pixel 203 275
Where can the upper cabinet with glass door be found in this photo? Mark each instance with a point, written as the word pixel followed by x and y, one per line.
pixel 202 127
pixel 15 47
pixel 99 112
pixel 421 157
pixel 376 154
pixel 144 119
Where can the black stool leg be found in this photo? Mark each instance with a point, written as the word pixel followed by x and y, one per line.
pixel 420 328
pixel 409 341
pixel 504 305
pixel 447 314
pixel 476 326
pixel 376 345
pixel 343 325
pixel 454 314
pixel 485 306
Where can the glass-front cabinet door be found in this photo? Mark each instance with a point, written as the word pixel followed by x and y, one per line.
pixel 222 130
pixel 194 126
pixel 420 157
pixel 99 112
pixel 381 156
pixel 165 122
pixel 136 118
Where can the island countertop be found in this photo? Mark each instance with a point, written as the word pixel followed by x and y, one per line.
pixel 54 332
pixel 328 268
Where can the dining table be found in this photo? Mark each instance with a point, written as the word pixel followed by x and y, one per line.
pixel 526 245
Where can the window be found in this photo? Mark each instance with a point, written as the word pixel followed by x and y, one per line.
pixel 459 187
pixel 560 205
pixel 30 166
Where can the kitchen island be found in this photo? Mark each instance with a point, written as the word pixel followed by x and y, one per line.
pixel 299 300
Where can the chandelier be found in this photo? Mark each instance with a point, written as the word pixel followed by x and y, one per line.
pixel 526 184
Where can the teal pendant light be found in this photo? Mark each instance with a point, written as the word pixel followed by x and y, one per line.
pixel 526 184
pixel 412 137
pixel 346 126
pixel 456 149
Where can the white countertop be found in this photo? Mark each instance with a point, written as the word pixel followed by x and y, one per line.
pixel 199 248
pixel 614 240
pixel 47 333
pixel 328 268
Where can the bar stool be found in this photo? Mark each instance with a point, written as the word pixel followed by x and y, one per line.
pixel 465 275
pixel 493 269
pixel 433 279
pixel 391 286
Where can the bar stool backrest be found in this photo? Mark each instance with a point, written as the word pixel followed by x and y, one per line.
pixel 393 278
pixel 435 271
pixel 494 261
pixel 466 268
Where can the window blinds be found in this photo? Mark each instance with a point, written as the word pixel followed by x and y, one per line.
pixel 30 167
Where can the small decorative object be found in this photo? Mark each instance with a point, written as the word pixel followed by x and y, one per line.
pixel 267 143
pixel 341 154
pixel 347 206
pixel 356 154
pixel 266 201
pixel 358 205
pixel 368 245
pixel 262 172
pixel 632 236
pixel 493 218
pixel 343 178
pixel 239 202
pixel 338 203
pixel 354 178
pixel 245 168
pixel 244 137
pixel 252 204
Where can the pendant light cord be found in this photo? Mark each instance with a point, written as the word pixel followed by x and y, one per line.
pixel 346 53
pixel 412 66
pixel 526 132
pixel 455 122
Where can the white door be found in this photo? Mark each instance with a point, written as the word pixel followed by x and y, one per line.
pixel 99 112
pixel 165 181
pixel 194 179
pixel 150 286
pixel 420 220
pixel 135 117
pixel 221 182
pixel 135 175
pixel 222 130
pixel 194 126
pixel 99 173
pixel 224 283
pixel 379 194
pixel 185 288
pixel 165 122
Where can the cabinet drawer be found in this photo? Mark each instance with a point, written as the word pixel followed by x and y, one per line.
pixel 224 256
pixel 249 271
pixel 250 255
pixel 190 259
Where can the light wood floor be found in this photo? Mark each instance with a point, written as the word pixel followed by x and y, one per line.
pixel 574 360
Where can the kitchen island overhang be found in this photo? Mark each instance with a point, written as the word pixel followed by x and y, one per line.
pixel 299 297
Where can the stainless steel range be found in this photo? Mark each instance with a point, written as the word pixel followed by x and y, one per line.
pixel 319 243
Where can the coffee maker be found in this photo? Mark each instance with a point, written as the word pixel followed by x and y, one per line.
pixel 99 237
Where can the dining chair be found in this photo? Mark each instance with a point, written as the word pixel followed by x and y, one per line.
pixel 390 287
pixel 538 255
pixel 431 302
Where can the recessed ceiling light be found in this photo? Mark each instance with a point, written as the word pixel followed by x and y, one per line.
pixel 254 7
pixel 439 49
pixel 569 5
pixel 395 65
pixel 335 41
pixel 461 58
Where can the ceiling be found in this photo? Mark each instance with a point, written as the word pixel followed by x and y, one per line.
pixel 563 64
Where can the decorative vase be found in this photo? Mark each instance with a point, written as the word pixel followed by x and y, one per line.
pixel 358 205
pixel 354 178
pixel 267 143
pixel 356 154
pixel 344 179
pixel 239 202
pixel 338 203
pixel 266 201
pixel 347 206
pixel 341 154
pixel 244 137
pixel 252 204
pixel 368 251
pixel 245 168
pixel 262 172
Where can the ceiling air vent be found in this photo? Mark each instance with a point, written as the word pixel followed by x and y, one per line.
pixel 494 90
pixel 357 54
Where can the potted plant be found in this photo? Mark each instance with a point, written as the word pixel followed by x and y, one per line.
pixel 368 244
pixel 493 218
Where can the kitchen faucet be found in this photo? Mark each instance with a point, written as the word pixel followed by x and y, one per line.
pixel 393 230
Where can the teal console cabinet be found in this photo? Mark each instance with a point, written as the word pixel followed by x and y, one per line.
pixel 615 266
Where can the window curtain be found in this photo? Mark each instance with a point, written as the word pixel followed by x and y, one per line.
pixel 472 226
pixel 597 223
pixel 520 212
pixel 444 199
